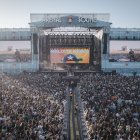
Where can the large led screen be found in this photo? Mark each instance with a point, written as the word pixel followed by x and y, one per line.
pixel 69 55
pixel 124 51
pixel 15 51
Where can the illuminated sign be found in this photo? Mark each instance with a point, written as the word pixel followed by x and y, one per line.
pixel 70 18
pixel 86 20
pixel 79 19
pixel 69 55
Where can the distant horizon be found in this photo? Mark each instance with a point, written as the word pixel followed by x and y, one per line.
pixel 15 45
pixel 119 44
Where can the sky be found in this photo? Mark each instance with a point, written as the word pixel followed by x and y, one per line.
pixel 117 45
pixel 16 13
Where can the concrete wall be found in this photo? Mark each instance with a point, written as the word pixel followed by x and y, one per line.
pixel 18 67
pixel 121 67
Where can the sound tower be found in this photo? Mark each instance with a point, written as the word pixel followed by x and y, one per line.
pixel 92 50
pixel 105 44
pixel 35 37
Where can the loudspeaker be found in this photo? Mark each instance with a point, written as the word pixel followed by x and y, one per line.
pixel 35 37
pixel 105 44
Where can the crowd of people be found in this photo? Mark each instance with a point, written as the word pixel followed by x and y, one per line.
pixel 111 106
pixel 32 106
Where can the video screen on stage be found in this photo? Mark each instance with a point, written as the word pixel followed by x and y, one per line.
pixel 124 51
pixel 15 51
pixel 69 55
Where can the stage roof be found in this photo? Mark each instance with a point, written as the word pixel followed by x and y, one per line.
pixel 69 20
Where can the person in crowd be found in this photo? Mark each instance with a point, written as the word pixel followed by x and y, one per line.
pixel 131 55
pixel 71 95
pixel 76 108
pixel 17 55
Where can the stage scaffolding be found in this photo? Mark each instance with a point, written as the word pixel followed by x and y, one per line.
pixel 69 31
pixel 68 41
